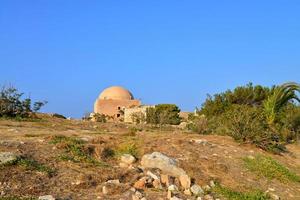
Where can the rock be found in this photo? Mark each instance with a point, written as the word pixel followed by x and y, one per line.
pixel 116 182
pixel 212 184
pixel 162 162
pixel 206 188
pixel 274 196
pixel 199 198
pixel 200 141
pixel 135 197
pixel 141 183
pixel 173 188
pixel 169 196
pixel 182 125
pixel 124 165
pixel 7 157
pixel 138 194
pixel 197 190
pixel 46 197
pixel 165 179
pixel 187 192
pixel 128 159
pixel 152 175
pixel 104 190
pixel 208 197
pixel 185 181
pixel 157 184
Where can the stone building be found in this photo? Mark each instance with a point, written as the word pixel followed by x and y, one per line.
pixel 113 101
pixel 136 114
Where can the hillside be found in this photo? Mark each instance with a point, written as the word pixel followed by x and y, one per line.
pixel 73 159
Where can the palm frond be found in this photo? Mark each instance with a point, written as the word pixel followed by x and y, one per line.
pixel 280 97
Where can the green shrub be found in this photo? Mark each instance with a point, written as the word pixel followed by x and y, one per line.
pixel 163 114
pixel 270 168
pixel 12 105
pixel 246 114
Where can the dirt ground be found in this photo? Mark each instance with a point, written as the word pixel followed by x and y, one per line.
pixel 219 159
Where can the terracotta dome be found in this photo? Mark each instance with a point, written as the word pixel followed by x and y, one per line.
pixel 116 93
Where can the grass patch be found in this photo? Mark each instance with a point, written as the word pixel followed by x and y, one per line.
pixel 268 167
pixel 74 151
pixel 18 198
pixel 30 164
pixel 236 195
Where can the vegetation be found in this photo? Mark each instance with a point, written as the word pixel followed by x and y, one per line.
pixel 17 198
pixel 266 117
pixel 74 150
pixel 30 164
pixel 13 106
pixel 163 114
pixel 235 195
pixel 270 168
pixel 280 97
pixel 128 148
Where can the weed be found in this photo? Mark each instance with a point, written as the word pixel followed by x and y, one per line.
pixel 236 195
pixel 270 168
pixel 128 148
pixel 74 150
pixel 17 198
pixel 30 164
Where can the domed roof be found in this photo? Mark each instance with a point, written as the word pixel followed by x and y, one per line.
pixel 116 93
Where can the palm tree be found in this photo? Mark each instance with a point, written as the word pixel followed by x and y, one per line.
pixel 280 97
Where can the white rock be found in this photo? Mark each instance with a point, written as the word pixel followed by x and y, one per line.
pixel 196 190
pixel 152 175
pixel 116 182
pixel 212 184
pixel 128 159
pixel 162 162
pixel 104 190
pixel 46 197
pixel 6 157
pixel 173 188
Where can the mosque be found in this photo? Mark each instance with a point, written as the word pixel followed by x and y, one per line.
pixel 113 102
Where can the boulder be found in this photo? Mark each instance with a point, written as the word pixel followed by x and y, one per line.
pixel 162 162
pixel 7 157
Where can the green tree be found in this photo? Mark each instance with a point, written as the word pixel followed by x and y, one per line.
pixel 163 114
pixel 279 98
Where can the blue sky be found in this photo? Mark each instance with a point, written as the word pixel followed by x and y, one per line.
pixel 166 51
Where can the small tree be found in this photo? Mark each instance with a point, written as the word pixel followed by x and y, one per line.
pixel 163 114
pixel 12 105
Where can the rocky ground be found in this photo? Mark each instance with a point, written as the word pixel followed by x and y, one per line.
pixel 70 159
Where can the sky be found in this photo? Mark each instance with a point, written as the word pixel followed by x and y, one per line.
pixel 163 51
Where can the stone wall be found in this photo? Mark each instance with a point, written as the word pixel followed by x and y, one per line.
pixel 140 110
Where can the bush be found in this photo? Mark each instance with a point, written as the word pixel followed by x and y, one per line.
pixel 163 114
pixel 198 124
pixel 241 114
pixel 12 105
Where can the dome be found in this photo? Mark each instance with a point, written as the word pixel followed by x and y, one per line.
pixel 116 93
